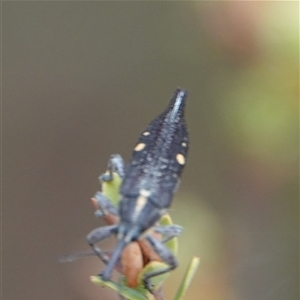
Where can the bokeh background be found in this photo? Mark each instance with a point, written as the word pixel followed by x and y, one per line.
pixel 82 79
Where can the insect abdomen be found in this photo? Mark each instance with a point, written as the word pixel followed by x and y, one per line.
pixel 159 155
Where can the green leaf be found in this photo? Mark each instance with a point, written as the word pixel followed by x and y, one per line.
pixel 189 274
pixel 154 266
pixel 123 290
pixel 173 243
pixel 111 188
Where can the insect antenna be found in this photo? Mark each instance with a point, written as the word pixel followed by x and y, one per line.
pixel 76 256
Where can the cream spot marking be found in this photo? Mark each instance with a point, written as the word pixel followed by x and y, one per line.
pixel 139 147
pixel 145 193
pixel 146 133
pixel 180 159
pixel 183 144
pixel 140 203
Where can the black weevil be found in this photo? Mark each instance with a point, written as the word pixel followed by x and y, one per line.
pixel 148 185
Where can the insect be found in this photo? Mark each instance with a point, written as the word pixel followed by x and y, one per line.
pixel 147 188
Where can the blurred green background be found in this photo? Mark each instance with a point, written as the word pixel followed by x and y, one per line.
pixel 82 79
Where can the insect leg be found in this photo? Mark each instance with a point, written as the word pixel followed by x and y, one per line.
pixel 165 254
pixel 168 232
pixel 115 164
pixel 98 235
pixel 103 206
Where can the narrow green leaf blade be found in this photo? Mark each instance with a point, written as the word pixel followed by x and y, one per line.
pixel 188 276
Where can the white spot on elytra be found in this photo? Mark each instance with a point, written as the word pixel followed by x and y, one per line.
pixel 145 193
pixel 139 147
pixel 180 159
pixel 183 144
pixel 146 133
pixel 140 204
